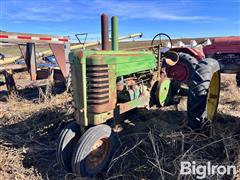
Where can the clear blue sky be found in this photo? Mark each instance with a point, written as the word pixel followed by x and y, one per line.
pixel 178 18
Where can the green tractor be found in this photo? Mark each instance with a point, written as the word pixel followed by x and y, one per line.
pixel 108 83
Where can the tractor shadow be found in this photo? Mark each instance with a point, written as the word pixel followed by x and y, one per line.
pixel 38 134
pixel 169 119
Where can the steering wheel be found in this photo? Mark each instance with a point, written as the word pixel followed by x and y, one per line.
pixel 160 40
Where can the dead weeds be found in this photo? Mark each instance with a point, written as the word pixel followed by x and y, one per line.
pixel 152 144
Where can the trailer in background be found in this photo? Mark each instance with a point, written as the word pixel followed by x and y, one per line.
pixel 57 68
pixel 59 45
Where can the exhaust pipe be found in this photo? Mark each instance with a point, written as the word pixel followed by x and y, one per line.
pixel 104 32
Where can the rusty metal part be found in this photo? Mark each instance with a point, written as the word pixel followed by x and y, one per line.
pixel 104 32
pixel 99 153
pixel 59 53
pixel 31 61
pixel 100 96
pixel 44 74
pixel 119 109
pixel 23 48
pixel 131 83
pixel 128 82
pixel 159 61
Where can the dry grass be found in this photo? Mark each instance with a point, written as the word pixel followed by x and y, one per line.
pixel 156 154
pixel 153 141
pixel 154 150
pixel 28 134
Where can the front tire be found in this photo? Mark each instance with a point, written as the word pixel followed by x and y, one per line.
pixel 94 151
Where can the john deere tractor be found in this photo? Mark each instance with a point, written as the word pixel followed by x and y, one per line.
pixel 108 83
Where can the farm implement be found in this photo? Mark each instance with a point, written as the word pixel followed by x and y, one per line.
pixel 109 83
pixel 54 66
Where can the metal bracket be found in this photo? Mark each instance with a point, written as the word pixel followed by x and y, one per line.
pixel 22 48
pixel 78 38
pixel 30 59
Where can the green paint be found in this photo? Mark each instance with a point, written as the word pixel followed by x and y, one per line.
pixel 120 63
pixel 164 91
pixel 78 74
pixel 114 22
pixel 126 63
pixel 119 52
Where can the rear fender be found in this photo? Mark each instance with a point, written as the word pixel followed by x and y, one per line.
pixel 193 52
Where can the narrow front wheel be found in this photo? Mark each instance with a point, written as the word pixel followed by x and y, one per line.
pixel 94 151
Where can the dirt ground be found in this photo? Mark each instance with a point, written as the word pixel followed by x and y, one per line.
pixel 153 143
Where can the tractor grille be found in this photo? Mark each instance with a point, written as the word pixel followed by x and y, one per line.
pixel 97 84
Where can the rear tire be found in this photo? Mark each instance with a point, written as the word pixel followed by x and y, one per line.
pixel 203 97
pixel 94 151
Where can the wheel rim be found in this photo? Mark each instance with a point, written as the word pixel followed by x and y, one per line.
pixel 99 153
pixel 163 91
pixel 178 72
pixel 213 96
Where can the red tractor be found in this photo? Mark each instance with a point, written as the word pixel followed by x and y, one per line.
pixel 200 68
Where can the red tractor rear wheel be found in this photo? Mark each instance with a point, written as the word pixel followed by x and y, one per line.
pixel 184 68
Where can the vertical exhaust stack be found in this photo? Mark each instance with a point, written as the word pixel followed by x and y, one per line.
pixel 104 32
pixel 114 22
